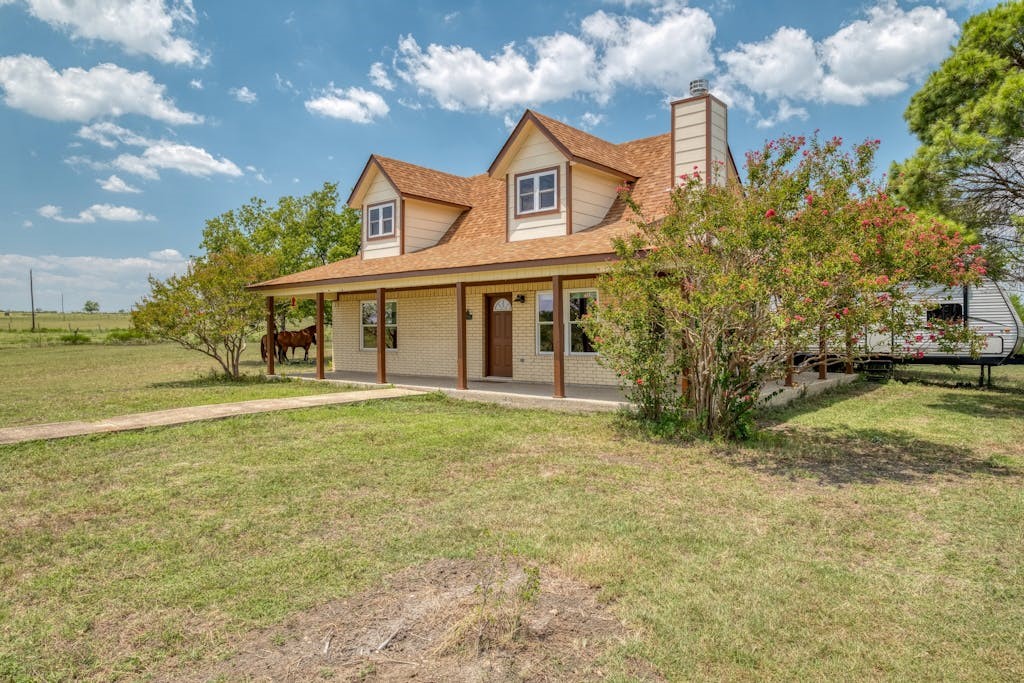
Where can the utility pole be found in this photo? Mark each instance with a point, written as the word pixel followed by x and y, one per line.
pixel 32 298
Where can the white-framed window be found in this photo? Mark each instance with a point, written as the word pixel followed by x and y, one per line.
pixel 380 220
pixel 577 303
pixel 537 192
pixel 368 325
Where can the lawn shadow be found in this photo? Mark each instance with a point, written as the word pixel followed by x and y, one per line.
pixel 984 403
pixel 212 379
pixel 862 456
pixel 771 417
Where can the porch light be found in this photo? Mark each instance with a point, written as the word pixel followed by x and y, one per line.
pixel 520 298
pixel 469 314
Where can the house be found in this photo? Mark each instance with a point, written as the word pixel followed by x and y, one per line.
pixel 488 276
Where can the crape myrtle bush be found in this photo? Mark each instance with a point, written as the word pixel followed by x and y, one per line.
pixel 711 300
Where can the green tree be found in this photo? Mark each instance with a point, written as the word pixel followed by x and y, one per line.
pixel 298 233
pixel 91 306
pixel 969 117
pixel 725 287
pixel 207 309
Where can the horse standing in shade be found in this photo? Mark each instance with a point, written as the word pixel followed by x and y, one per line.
pixel 264 347
pixel 303 339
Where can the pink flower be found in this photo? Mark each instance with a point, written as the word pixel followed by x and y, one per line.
pixel 640 381
pixel 799 318
pixel 810 199
pixel 919 355
pixel 825 283
pixel 846 311
pixel 918 338
pixel 770 213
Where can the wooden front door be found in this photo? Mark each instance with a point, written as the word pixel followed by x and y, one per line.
pixel 499 335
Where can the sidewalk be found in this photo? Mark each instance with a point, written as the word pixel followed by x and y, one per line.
pixel 175 416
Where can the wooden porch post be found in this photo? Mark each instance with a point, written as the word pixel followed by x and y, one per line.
pixel 460 336
pixel 271 336
pixel 319 335
pixel 558 361
pixel 382 373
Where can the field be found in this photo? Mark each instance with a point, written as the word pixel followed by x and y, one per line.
pixel 874 533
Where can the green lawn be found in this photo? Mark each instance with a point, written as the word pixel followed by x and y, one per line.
pixel 57 383
pixel 877 533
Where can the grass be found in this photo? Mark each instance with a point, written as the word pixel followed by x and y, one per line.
pixel 874 533
pixel 58 383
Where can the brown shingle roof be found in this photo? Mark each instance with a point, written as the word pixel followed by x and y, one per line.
pixel 419 181
pixel 587 147
pixel 477 238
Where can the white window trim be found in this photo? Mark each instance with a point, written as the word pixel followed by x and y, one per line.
pixel 566 335
pixel 536 192
pixel 369 221
pixel 361 325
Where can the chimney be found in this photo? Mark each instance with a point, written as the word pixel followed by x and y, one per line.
pixel 700 135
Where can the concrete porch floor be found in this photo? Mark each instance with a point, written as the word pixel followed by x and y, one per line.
pixel 579 398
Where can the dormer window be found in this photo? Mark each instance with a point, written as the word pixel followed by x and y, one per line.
pixel 537 192
pixel 380 220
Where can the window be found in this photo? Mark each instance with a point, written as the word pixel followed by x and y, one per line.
pixel 545 323
pixel 368 325
pixel 380 220
pixel 578 304
pixel 949 312
pixel 537 192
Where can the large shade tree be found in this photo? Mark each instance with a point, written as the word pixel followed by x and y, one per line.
pixel 969 117
pixel 298 233
pixel 207 309
pixel 707 302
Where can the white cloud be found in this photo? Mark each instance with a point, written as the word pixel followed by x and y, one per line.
pixel 784 65
pixel 877 56
pixel 784 112
pixel 379 77
pixel 196 84
pixel 354 104
pixel 450 17
pixel 115 184
pixel 106 212
pixel 610 52
pixel 75 94
pixel 590 119
pixel 243 95
pixel 652 54
pixel 873 57
pixel 460 78
pixel 149 27
pixel 166 255
pixel 258 174
pixel 114 282
pixel 284 85
pixel 509 122
pixel 110 135
pixel 163 154
pixel 26 223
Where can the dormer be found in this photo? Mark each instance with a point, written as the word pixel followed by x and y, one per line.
pixel 558 180
pixel 405 207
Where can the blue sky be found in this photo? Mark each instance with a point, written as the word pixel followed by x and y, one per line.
pixel 125 124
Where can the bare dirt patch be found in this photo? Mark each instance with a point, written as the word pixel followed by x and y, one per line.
pixel 466 620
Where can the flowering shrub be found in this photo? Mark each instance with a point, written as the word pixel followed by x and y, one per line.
pixel 710 301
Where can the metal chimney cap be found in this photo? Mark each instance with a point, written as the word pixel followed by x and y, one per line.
pixel 699 86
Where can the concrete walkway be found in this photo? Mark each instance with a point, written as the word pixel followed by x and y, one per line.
pixel 175 416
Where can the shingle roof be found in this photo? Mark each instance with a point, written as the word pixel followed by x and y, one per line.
pixel 477 238
pixel 587 147
pixel 419 181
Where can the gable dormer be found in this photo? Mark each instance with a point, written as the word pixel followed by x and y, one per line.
pixel 558 180
pixel 405 208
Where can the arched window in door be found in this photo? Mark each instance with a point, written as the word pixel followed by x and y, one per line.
pixel 502 305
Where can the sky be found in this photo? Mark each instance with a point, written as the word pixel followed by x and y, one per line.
pixel 126 124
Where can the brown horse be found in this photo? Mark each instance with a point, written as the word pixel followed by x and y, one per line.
pixel 303 339
pixel 263 348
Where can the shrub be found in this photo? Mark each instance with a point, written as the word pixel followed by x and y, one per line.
pixel 128 336
pixel 75 338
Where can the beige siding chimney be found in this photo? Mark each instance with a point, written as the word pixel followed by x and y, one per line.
pixel 700 126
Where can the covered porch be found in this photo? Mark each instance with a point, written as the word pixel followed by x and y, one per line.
pixel 458 335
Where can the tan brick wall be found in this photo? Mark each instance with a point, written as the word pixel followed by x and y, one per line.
pixel 426 336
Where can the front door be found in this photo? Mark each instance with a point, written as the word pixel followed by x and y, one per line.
pixel 499 335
